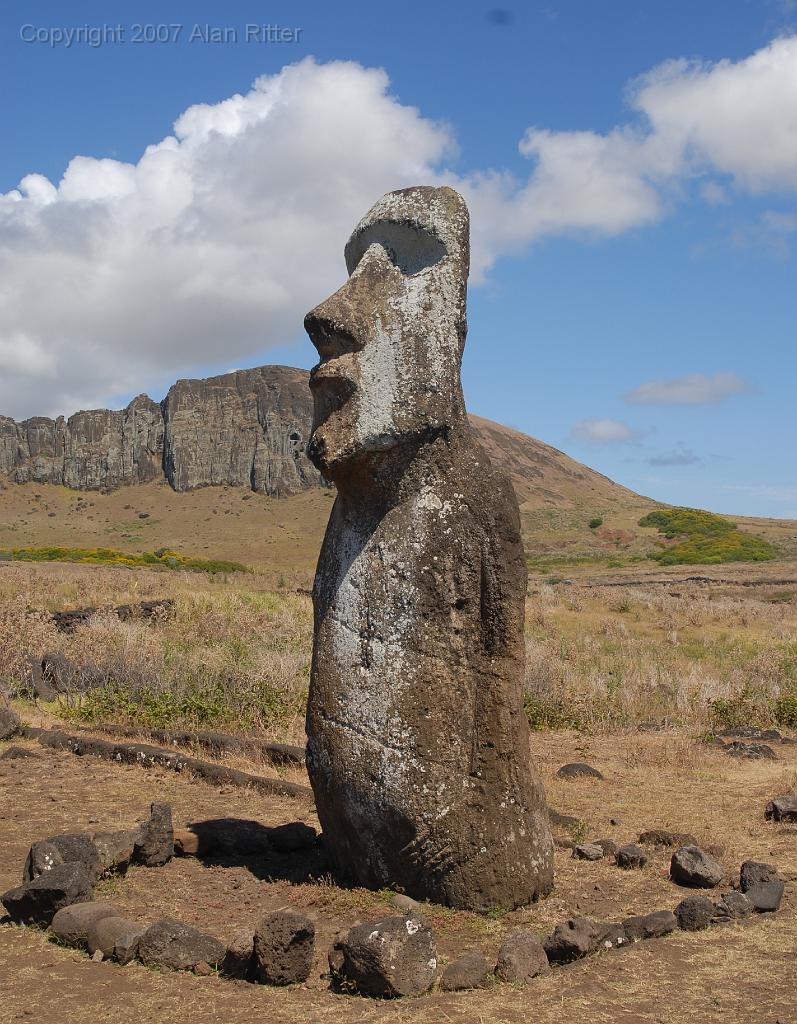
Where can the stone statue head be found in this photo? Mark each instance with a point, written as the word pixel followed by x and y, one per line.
pixel 391 339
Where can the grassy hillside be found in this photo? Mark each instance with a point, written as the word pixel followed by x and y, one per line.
pixel 559 498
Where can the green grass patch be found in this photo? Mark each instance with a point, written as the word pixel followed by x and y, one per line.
pixel 163 558
pixel 706 539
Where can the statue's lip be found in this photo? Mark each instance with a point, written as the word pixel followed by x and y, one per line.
pixel 326 374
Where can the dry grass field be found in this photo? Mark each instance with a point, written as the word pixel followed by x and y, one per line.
pixel 684 650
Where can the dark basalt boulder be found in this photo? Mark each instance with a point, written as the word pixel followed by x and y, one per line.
pixel 693 867
pixel 40 900
pixel 521 957
pixel 578 770
pixel 469 971
pixel 650 926
pixel 575 938
pixel 284 947
pixel 395 956
pixel 169 943
pixel 154 841
pixel 695 913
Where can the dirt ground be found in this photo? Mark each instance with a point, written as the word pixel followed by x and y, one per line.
pixel 732 973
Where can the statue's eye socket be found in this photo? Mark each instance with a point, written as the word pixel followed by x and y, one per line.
pixel 411 248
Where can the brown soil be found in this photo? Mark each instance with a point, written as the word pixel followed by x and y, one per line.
pixel 739 973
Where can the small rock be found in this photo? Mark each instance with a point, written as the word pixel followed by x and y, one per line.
pixel 42 856
pixel 562 820
pixel 71 847
pixel 17 753
pixel 39 901
pixel 695 913
pixel 612 936
pixel 10 722
pixel 97 956
pixel 608 847
pixel 575 938
pixel 588 851
pixel 661 837
pixel 115 850
pixel 753 872
pixel 577 770
pixel 406 904
pixel 630 856
pixel 105 932
pixel 693 867
pixel 469 971
pixel 204 970
pixel 239 959
pixel 155 840
pixel 395 956
pixel 284 947
pixel 733 906
pixel 782 808
pixel 126 946
pixel 751 751
pixel 143 515
pixel 292 837
pixel 71 924
pixel 650 926
pixel 168 943
pixel 766 896
pixel 521 958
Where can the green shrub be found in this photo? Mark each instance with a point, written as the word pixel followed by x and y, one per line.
pixel 162 558
pixel 596 522
pixel 708 539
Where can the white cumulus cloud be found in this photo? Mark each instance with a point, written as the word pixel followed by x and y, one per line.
pixel 691 389
pixel 212 246
pixel 604 431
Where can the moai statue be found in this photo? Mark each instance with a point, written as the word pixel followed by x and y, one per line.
pixel 418 746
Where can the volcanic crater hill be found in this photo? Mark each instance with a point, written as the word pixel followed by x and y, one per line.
pixel 248 429
pixel 243 429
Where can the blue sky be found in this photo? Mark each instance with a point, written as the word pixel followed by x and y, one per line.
pixel 634 219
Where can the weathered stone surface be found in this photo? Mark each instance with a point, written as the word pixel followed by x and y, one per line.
pixel 695 913
pixel 578 770
pixel 104 934
pixel 126 945
pixel 284 947
pixel 575 938
pixel 733 906
pixel 608 847
pixel 396 956
pixel 168 943
pixel 154 842
pixel 418 747
pixel 751 751
pixel 612 936
pixel 115 849
pixel 71 924
pixel 521 958
pixel 693 867
pixel 9 721
pixel 17 753
pixel 406 904
pixel 239 959
pixel 661 837
pixel 469 971
pixel 782 808
pixel 38 901
pixel 753 872
pixel 89 451
pixel 631 856
pixel 42 856
pixel 248 429
pixel 69 848
pixel 587 851
pixel 186 843
pixel 750 732
pixel 650 926
pixel 766 897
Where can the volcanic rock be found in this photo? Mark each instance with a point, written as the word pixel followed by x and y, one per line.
pixel 284 946
pixel 521 958
pixel 575 938
pixel 154 842
pixel 631 856
pixel 10 721
pixel 695 913
pixel 71 924
pixel 395 956
pixel 693 867
pixel 38 901
pixel 168 943
pixel 469 971
pixel 650 926
pixel 782 808
pixel 578 770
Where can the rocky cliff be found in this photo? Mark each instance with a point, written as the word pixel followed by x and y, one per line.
pixel 247 428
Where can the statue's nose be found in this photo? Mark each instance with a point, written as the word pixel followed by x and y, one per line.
pixel 329 331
